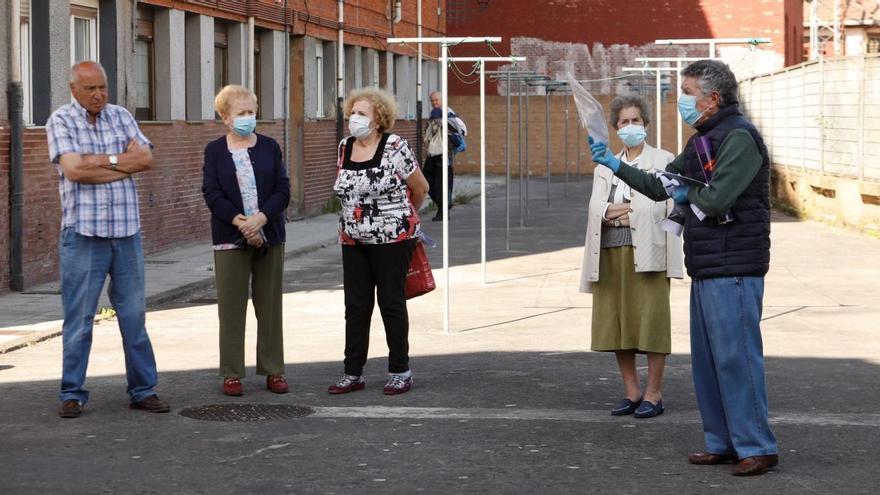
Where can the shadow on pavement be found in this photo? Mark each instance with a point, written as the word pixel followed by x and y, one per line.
pixel 496 422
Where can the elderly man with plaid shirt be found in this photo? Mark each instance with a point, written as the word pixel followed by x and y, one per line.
pixel 97 147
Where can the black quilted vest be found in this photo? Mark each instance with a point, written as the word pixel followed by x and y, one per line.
pixel 740 248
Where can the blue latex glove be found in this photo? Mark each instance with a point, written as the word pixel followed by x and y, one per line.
pixel 602 156
pixel 680 194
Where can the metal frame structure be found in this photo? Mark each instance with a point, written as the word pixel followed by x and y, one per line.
pixel 481 61
pixel 519 76
pixel 445 43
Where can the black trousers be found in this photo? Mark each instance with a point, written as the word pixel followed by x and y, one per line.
pixel 433 172
pixel 370 272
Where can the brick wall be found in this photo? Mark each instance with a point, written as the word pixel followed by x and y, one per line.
pixel 319 164
pixel 496 135
pixel 319 161
pixel 602 37
pixel 173 212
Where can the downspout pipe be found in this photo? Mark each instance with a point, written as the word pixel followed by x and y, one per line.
pixel 16 153
pixel 251 27
pixel 285 88
pixel 419 96
pixel 340 71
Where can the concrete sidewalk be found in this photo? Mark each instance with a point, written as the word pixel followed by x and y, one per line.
pixel 35 315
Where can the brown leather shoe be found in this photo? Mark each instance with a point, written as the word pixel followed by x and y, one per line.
pixel 152 404
pixel 277 384
pixel 71 408
pixel 753 466
pixel 709 459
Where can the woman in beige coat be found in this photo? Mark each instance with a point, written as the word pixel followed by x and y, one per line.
pixel 628 261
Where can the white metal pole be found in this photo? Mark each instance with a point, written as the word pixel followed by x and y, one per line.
pixel 444 88
pixel 528 166
pixel 657 114
pixel 483 169
pixel 677 97
pixel 519 154
pixel 507 175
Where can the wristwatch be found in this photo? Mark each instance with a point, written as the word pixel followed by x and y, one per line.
pixel 114 160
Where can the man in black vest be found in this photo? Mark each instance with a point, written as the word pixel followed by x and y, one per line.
pixel 727 254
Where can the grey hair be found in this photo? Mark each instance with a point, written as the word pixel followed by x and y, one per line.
pixel 86 63
pixel 627 101
pixel 714 76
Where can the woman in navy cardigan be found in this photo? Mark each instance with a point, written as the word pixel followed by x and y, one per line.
pixel 247 189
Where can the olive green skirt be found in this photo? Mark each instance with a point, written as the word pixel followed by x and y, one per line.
pixel 630 309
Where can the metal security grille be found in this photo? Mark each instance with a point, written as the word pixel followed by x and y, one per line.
pixel 821 117
pixel 243 413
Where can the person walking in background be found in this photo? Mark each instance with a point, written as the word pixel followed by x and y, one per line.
pixel 433 141
pixel 247 189
pixel 97 148
pixel 628 261
pixel 381 187
pixel 727 254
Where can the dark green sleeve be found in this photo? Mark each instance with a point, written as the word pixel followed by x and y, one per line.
pixel 647 183
pixel 736 164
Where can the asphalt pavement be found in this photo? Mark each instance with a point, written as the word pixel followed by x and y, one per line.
pixel 510 401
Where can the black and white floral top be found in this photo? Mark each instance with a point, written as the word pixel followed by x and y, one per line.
pixel 376 208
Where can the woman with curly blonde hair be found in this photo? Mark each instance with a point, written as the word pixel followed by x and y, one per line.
pixel 381 187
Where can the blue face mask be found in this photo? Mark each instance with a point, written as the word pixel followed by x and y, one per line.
pixel 632 135
pixel 244 126
pixel 687 107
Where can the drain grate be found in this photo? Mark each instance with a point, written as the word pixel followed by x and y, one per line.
pixel 239 413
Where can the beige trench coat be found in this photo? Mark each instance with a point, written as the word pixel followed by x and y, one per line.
pixel 655 250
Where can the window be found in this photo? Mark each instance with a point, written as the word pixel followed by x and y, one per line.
pixel 319 79
pixel 221 56
pixel 25 60
pixel 258 80
pixel 83 33
pixel 873 45
pixel 144 69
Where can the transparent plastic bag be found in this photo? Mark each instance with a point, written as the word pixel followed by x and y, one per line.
pixel 590 112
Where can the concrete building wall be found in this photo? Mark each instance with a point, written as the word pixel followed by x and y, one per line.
pixel 199 62
pixel 170 29
pixel 51 56
pixel 236 38
pixel 272 77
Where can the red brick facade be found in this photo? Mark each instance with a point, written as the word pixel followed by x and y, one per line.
pixel 614 31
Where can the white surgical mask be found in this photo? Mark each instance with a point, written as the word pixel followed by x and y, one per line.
pixel 632 135
pixel 359 126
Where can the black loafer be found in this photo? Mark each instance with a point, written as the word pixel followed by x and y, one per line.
pixel 649 410
pixel 625 407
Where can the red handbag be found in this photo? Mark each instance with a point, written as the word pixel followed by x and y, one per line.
pixel 419 279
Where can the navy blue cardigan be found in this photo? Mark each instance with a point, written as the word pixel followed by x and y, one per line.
pixel 223 197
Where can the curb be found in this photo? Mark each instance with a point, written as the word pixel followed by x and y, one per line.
pixel 158 299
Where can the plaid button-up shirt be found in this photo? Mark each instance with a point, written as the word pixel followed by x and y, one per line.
pixel 96 210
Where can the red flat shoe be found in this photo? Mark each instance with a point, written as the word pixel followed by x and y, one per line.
pixel 277 384
pixel 232 387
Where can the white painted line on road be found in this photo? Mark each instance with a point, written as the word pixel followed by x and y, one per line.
pixel 580 416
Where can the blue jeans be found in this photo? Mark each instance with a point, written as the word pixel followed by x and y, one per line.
pixel 85 264
pixel 728 365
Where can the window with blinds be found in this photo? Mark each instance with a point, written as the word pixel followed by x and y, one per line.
pixel 83 33
pixel 144 65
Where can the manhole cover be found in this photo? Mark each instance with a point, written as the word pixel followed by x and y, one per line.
pixel 246 412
